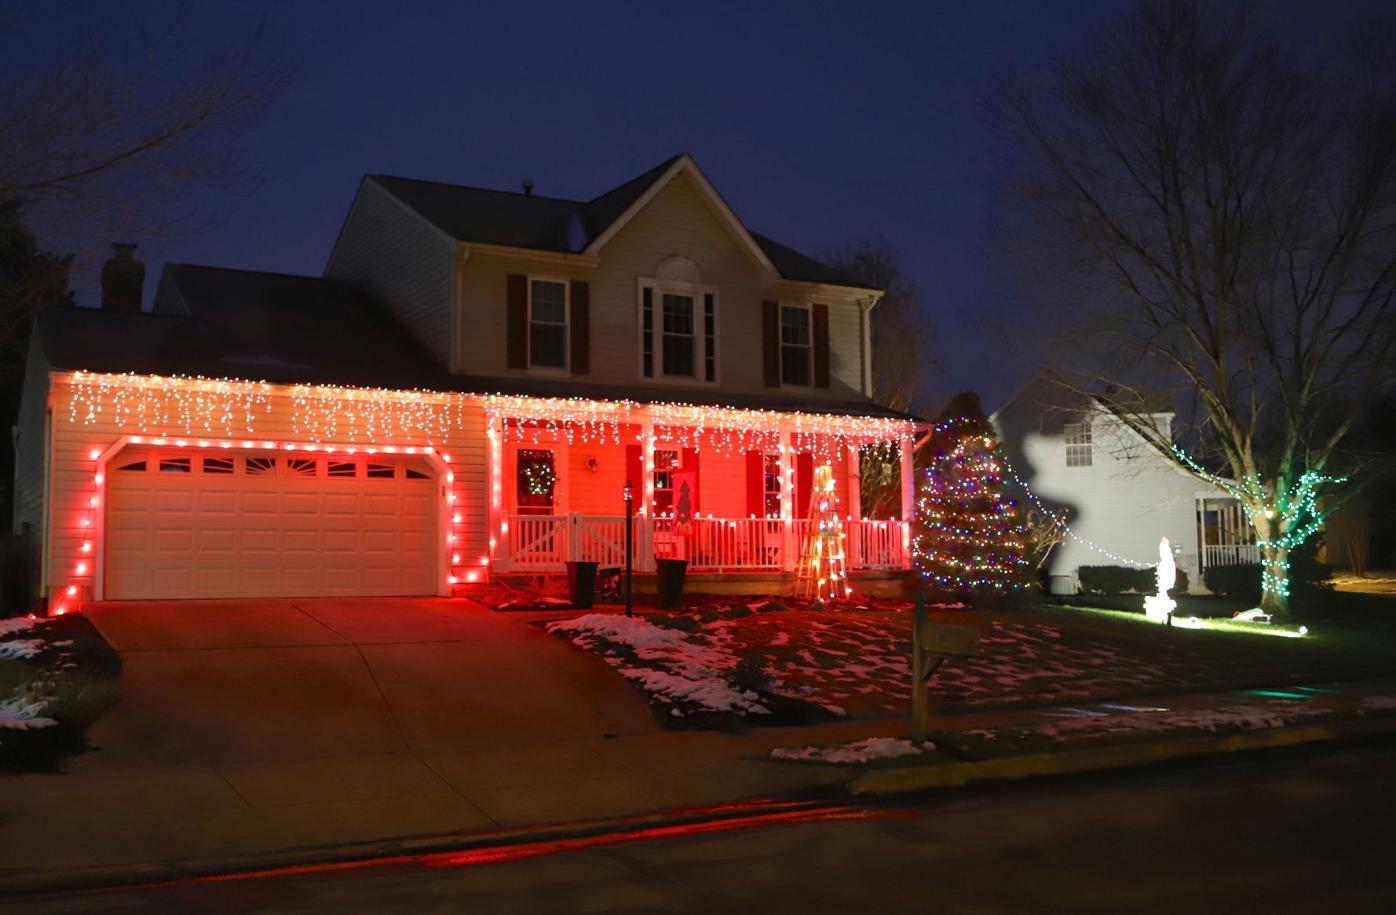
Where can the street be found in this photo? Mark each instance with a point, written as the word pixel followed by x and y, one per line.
pixel 1302 830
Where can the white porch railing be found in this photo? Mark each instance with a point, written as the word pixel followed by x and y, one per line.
pixel 545 542
pixel 1227 554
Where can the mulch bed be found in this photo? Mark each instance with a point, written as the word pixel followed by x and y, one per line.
pixel 75 665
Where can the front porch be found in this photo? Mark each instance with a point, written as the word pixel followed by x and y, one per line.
pixel 534 543
pixel 1224 534
pixel 727 490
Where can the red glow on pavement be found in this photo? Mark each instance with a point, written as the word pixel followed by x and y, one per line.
pixel 769 815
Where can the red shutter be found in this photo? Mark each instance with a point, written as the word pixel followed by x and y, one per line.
pixel 770 343
pixel 518 321
pixel 756 484
pixel 634 473
pixel 821 346
pixel 690 462
pixel 580 319
pixel 804 479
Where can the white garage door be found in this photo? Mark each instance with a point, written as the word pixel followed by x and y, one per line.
pixel 252 524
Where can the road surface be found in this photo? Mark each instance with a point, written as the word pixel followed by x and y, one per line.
pixel 1296 831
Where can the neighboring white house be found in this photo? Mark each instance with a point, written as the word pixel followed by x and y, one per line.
pixel 1117 493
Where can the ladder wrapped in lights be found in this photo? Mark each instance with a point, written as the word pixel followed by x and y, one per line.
pixel 822 570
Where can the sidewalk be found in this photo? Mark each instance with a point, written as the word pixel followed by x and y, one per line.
pixel 164 821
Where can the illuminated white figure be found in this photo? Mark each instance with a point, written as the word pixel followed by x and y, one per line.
pixel 1159 605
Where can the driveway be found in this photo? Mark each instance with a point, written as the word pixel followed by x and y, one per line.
pixel 234 682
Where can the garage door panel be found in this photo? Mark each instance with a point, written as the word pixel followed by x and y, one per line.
pixel 260 503
pixel 270 534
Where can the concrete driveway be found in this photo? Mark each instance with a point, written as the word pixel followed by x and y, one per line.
pixel 234 682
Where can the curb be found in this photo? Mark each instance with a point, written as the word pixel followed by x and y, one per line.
pixel 384 851
pixel 911 779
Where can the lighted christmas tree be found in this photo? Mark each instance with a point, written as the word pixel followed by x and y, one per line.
pixel 969 534
pixel 822 572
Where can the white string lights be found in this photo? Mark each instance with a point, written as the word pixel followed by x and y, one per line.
pixel 168 404
pixel 330 413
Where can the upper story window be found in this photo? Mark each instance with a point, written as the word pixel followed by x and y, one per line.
pixel 547 324
pixel 678 325
pixel 1078 444
pixel 796 345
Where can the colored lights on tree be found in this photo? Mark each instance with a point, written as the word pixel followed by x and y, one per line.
pixel 822 570
pixel 970 535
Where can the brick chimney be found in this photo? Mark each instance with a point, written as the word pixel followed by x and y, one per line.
pixel 123 276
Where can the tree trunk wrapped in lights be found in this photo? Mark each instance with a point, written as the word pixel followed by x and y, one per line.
pixel 970 535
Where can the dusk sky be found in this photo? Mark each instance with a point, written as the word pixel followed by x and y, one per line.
pixel 820 123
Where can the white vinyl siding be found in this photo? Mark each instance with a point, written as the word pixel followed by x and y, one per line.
pixel 677 222
pixel 404 262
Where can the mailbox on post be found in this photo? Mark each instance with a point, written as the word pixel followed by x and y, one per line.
pixel 931 644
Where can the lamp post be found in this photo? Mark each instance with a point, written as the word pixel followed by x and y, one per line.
pixel 629 545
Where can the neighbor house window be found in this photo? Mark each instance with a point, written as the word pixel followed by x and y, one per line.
pixel 1078 444
pixel 547 324
pixel 678 331
pixel 795 344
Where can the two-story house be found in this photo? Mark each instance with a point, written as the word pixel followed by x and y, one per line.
pixel 1116 491
pixel 465 392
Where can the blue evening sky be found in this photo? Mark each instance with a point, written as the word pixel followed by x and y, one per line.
pixel 821 123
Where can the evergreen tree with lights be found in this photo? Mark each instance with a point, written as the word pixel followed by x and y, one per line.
pixel 970 536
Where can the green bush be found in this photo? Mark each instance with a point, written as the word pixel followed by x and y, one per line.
pixel 1239 580
pixel 1115 579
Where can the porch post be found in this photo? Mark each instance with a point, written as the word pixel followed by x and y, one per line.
pixel 645 554
pixel 908 497
pixel 494 434
pixel 854 510
pixel 789 547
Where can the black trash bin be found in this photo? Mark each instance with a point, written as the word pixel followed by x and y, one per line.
pixel 581 583
pixel 671 575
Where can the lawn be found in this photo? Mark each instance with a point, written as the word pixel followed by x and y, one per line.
pixel 726 661
pixel 57 676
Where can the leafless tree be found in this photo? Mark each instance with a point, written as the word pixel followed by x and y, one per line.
pixel 124 136
pixel 1226 216
pixel 904 357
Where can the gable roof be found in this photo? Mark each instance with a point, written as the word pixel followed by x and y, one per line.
pixel 245 324
pixel 289 329
pixel 554 224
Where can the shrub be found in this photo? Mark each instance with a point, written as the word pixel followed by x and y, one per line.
pixel 751 674
pixel 1115 579
pixel 1239 580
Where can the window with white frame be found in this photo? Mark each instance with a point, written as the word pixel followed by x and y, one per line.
pixel 796 345
pixel 678 331
pixel 770 484
pixel 547 324
pixel 1078 444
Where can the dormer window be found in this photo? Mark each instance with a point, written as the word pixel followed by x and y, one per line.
pixel 678 325
pixel 547 324
pixel 796 344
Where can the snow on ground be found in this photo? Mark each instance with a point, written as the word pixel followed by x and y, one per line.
pixel 17 624
pixel 1378 704
pixel 21 648
pixel 22 715
pixel 683 675
pixel 859 751
pixel 1093 723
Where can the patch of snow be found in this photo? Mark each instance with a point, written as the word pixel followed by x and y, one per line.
pixel 859 751
pixel 21 648
pixel 22 715
pixel 63 644
pixel 624 630
pixel 1378 703
pixel 711 693
pixel 17 624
